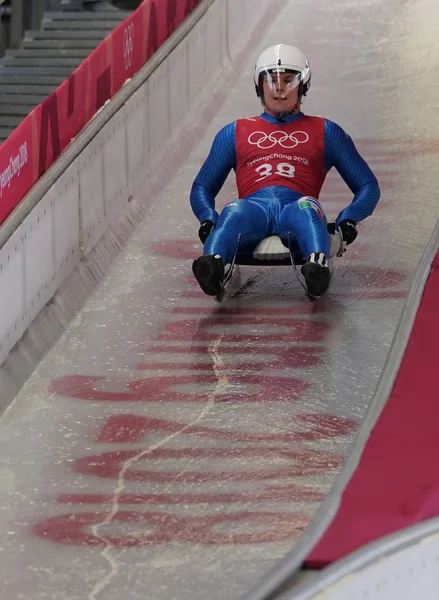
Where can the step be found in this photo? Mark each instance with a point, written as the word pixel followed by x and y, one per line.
pixel 31 80
pixel 60 44
pixel 80 34
pixel 44 90
pixel 127 4
pixel 10 121
pixel 97 25
pixel 23 99
pixel 86 16
pixel 16 109
pixel 26 62
pixel 5 132
pixel 71 53
pixel 48 71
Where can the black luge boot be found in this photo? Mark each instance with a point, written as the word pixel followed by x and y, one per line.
pixel 317 275
pixel 209 272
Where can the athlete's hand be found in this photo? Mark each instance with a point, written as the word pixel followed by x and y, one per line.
pixel 205 229
pixel 347 228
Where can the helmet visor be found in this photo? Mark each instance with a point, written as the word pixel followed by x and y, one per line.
pixel 280 89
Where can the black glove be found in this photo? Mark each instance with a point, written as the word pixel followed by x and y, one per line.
pixel 205 228
pixel 348 230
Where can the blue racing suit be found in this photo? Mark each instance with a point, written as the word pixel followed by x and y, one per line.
pixel 277 209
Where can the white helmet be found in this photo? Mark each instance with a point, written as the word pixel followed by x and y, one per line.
pixel 283 58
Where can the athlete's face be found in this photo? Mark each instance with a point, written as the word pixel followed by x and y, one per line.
pixel 281 92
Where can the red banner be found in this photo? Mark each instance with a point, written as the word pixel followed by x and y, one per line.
pixel 46 132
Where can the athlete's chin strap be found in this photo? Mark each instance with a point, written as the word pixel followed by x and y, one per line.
pixel 282 116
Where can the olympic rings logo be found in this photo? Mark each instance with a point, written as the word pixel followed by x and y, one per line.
pixel 128 45
pixel 265 141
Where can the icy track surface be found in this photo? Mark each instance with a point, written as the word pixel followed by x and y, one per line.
pixel 173 448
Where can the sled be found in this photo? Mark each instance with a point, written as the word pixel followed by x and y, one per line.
pixel 271 251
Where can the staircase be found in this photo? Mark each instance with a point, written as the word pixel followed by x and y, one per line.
pixel 46 58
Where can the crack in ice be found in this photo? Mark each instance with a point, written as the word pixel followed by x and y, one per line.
pixel 221 385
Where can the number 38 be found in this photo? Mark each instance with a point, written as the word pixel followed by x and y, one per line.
pixel 283 169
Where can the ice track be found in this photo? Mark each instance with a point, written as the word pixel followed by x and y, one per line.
pixel 170 447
